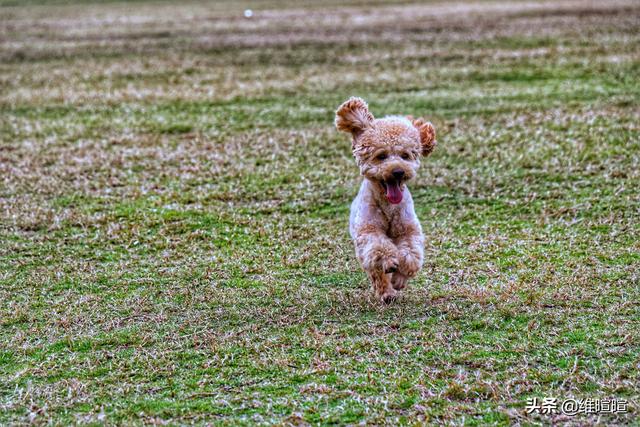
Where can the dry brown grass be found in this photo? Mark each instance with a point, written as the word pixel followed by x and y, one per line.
pixel 174 201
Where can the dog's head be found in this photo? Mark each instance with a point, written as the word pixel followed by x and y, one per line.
pixel 387 150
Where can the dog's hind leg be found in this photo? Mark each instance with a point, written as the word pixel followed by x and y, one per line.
pixel 399 281
pixel 381 283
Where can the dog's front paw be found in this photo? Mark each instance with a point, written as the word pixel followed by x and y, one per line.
pixel 390 265
pixel 410 264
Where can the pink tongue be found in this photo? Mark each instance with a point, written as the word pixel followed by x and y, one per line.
pixel 394 194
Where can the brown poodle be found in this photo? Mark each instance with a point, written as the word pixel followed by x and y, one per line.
pixel 383 224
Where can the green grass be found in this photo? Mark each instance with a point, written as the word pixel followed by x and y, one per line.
pixel 174 204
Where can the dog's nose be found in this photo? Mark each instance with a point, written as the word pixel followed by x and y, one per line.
pixel 397 173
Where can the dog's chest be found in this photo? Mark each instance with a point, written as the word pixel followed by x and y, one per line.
pixel 393 223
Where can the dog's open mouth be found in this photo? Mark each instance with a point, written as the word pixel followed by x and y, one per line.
pixel 393 190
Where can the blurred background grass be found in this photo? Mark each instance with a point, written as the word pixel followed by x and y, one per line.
pixel 174 207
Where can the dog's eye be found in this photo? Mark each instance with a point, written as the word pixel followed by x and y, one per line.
pixel 405 156
pixel 381 156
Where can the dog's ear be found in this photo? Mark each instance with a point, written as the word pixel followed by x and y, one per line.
pixel 353 116
pixel 427 135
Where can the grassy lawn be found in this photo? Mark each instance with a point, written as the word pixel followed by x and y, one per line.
pixel 174 207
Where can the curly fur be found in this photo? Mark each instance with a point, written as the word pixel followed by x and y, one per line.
pixel 353 116
pixel 385 230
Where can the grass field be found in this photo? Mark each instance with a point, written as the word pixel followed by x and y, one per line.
pixel 174 206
